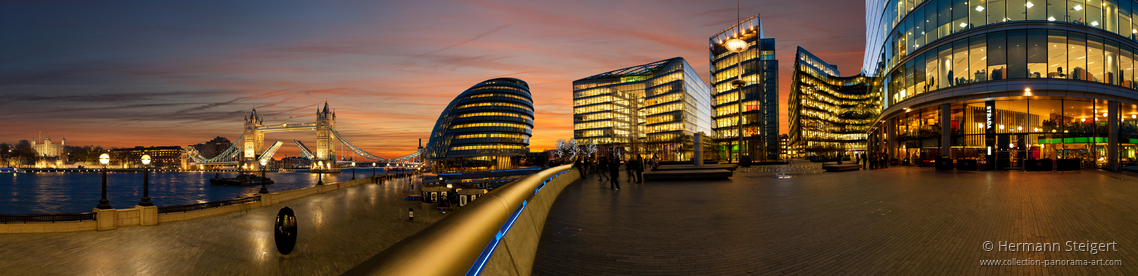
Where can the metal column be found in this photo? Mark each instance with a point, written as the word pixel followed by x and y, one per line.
pixel 945 130
pixel 1112 148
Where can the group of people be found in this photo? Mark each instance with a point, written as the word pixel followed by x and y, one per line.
pixel 608 167
pixel 874 161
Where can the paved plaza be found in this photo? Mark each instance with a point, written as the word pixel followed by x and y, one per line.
pixel 896 221
pixel 337 231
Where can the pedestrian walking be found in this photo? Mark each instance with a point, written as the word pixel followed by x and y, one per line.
pixel 614 173
pixel 603 169
pixel 639 168
pixel 580 165
pixel 629 169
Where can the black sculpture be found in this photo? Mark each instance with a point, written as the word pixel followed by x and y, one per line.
pixel 285 231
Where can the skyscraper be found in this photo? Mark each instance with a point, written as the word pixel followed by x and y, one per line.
pixel 653 109
pixel 754 70
pixel 829 114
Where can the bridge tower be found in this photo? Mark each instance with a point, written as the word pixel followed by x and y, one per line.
pixel 254 141
pixel 325 141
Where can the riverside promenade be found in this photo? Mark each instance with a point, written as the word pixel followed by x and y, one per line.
pixel 336 231
pixel 895 221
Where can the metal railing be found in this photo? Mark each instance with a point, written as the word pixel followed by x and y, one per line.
pixel 211 204
pixel 47 217
pixel 460 243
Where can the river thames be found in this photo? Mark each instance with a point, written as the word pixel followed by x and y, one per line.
pixel 57 192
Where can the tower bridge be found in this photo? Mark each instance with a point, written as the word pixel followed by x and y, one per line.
pixel 249 149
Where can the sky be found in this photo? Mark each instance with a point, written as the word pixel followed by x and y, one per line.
pixel 176 73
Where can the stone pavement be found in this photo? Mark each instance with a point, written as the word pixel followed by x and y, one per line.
pixel 337 231
pixel 896 221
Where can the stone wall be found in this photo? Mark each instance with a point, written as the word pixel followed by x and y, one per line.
pixel 110 219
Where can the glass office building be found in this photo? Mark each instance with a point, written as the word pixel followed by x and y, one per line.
pixel 757 68
pixel 487 127
pixel 653 109
pixel 829 114
pixel 1005 81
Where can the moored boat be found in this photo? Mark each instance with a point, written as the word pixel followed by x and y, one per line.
pixel 240 180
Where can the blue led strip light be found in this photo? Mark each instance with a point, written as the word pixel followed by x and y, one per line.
pixel 485 256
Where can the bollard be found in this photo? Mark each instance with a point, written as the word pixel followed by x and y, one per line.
pixel 285 231
pixel 410 214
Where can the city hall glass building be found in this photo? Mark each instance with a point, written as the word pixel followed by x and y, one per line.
pixel 829 114
pixel 487 127
pixel 1004 81
pixel 653 109
pixel 759 92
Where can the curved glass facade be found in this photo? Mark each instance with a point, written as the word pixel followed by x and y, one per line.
pixel 1004 81
pixel 486 127
pixel 1015 54
pixel 905 26
pixel 829 113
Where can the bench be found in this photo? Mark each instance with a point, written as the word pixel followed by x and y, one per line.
pixel 687 174
pixel 842 167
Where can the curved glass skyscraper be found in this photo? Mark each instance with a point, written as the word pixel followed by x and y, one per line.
pixel 1004 81
pixel 487 127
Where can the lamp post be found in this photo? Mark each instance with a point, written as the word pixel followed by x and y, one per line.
pixel 374 180
pixel 353 170
pixel 263 189
pixel 145 182
pixel 320 164
pixel 737 46
pixel 103 202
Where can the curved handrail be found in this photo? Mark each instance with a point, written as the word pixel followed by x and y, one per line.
pixel 452 245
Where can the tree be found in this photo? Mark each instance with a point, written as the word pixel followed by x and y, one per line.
pixel 22 154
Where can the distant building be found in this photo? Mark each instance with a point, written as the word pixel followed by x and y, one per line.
pixel 653 109
pixel 50 155
pixel 487 127
pixel 160 157
pixel 213 147
pixel 760 92
pixel 295 162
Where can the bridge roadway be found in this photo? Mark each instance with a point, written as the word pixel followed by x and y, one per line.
pixel 896 221
pixel 337 230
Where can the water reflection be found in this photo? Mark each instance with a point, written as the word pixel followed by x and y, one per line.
pixel 56 192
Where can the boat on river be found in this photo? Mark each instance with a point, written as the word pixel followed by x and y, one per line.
pixel 10 170
pixel 240 180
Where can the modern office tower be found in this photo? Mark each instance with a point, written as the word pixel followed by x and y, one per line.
pixel 829 114
pixel 487 127
pixel 755 70
pixel 1004 82
pixel 653 109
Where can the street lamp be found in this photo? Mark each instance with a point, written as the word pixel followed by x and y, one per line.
pixel 145 182
pixel 737 46
pixel 353 170
pixel 374 180
pixel 103 202
pixel 320 164
pixel 263 189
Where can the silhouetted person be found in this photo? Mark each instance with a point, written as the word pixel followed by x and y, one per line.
pixel 614 174
pixel 639 168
